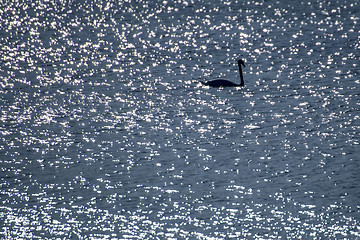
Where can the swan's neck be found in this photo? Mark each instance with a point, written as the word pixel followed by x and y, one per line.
pixel 241 76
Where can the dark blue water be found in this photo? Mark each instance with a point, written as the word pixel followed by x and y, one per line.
pixel 107 133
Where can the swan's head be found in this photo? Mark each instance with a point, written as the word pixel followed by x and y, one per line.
pixel 241 62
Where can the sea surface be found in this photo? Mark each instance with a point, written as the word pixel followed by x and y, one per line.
pixel 106 131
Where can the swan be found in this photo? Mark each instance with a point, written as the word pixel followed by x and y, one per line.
pixel 227 83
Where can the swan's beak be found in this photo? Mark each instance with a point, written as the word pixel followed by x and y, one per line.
pixel 242 62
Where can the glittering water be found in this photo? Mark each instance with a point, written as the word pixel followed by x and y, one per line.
pixel 107 133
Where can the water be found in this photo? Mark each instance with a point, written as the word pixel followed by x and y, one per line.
pixel 107 133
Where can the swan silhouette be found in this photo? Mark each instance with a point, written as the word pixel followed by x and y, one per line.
pixel 227 83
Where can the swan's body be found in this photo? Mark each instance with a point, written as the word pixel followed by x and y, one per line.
pixel 227 83
pixel 221 83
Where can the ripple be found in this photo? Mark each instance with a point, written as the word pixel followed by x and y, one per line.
pixel 106 131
